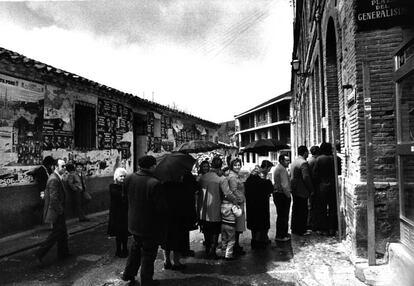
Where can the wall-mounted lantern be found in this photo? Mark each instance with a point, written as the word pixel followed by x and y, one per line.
pixel 296 67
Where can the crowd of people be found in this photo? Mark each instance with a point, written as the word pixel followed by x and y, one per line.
pixel 218 200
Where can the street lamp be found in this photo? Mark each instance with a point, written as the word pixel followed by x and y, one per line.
pixel 296 66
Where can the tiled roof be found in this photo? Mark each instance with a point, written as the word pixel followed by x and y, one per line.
pixel 52 71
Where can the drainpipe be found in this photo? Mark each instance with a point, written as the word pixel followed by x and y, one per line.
pixel 318 19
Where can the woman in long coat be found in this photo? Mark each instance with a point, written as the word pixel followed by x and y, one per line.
pixel 258 190
pixel 118 213
pixel 237 187
pixel 181 219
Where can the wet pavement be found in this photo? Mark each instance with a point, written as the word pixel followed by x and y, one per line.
pixel 309 260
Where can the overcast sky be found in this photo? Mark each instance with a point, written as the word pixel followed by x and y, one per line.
pixel 211 58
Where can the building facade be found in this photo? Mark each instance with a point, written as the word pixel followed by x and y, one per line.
pixel 269 120
pixel 48 111
pixel 351 84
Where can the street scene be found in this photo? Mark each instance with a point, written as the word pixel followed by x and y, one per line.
pixel 93 262
pixel 233 142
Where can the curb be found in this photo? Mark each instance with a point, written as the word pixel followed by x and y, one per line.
pixel 73 228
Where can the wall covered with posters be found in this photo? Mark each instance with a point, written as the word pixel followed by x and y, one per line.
pixel 37 120
pixel 21 116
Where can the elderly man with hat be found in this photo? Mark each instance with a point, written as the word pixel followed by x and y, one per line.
pixel 146 214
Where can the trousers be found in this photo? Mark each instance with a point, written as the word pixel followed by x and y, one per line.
pixel 58 235
pixel 142 255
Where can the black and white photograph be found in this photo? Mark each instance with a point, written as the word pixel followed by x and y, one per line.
pixel 207 142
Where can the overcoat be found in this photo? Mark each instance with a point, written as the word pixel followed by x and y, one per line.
pixel 300 178
pixel 147 207
pixel 118 210
pixel 54 199
pixel 213 189
pixel 258 191
pixel 237 188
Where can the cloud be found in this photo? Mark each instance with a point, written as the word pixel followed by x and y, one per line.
pixel 213 27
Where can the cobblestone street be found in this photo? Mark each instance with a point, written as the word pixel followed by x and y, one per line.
pixel 309 260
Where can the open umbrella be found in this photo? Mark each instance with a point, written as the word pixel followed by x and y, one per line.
pixel 196 146
pixel 173 166
pixel 265 145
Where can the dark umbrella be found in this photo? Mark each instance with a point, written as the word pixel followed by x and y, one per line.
pixel 265 145
pixel 196 146
pixel 173 166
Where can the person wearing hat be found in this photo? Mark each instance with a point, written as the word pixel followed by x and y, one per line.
pixel 76 183
pixel 147 209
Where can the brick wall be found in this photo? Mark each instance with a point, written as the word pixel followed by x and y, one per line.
pixel 377 47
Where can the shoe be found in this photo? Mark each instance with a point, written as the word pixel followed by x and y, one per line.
pixel 282 239
pixel 178 267
pixel 230 258
pixel 131 281
pixel 298 233
pixel 167 265
pixel 308 232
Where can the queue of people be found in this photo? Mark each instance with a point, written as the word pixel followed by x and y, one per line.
pixel 218 201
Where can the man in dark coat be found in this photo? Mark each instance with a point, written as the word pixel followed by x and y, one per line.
pixel 54 213
pixel 326 220
pixel 41 174
pixel 146 213
pixel 314 150
pixel 302 188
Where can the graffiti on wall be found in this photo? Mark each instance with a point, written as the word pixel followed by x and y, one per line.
pixel 98 163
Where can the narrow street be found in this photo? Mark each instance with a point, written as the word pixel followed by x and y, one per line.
pixel 93 263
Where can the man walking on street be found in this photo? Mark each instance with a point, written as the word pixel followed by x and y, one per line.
pixel 302 188
pixel 146 212
pixel 281 198
pixel 54 213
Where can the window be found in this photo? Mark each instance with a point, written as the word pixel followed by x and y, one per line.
pixel 85 126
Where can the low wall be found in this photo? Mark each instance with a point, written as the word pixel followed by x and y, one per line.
pixel 21 210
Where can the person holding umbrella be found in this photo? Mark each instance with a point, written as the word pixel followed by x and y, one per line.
pixel 179 185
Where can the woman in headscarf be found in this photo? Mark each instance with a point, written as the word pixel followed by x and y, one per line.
pixel 258 191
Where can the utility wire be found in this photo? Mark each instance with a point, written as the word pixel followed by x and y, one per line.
pixel 234 32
